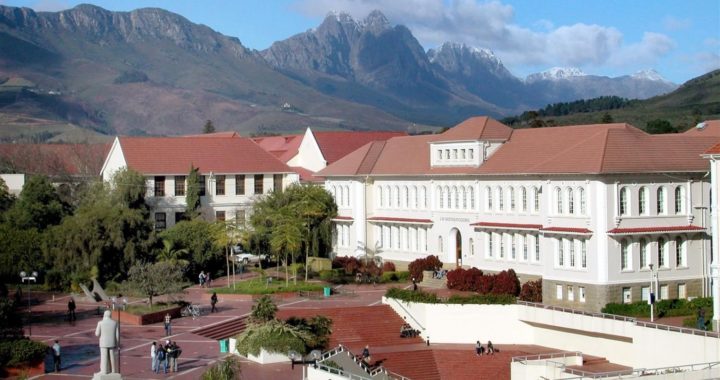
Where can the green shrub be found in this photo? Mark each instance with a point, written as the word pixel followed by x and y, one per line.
pixel 403 276
pixel 334 276
pixel 412 296
pixel 388 277
pixel 21 351
pixel 229 368
pixel 483 299
pixel 635 309
pixel 272 336
pixel 55 279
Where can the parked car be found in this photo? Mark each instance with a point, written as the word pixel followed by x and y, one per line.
pixel 248 258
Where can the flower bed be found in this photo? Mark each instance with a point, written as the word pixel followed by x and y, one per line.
pixel 147 318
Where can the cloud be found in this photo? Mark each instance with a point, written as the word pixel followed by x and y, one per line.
pixel 490 25
pixel 706 61
pixel 674 24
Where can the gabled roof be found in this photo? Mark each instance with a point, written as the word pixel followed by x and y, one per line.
pixel 53 159
pixel 336 145
pixel 282 147
pixel 175 155
pixel 586 149
pixel 707 128
pixel 478 128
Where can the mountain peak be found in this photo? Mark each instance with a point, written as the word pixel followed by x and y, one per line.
pixel 649 74
pixel 341 17
pixel 556 73
pixel 375 22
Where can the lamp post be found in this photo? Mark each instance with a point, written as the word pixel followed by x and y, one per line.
pixel 116 306
pixel 651 295
pixel 311 358
pixel 32 277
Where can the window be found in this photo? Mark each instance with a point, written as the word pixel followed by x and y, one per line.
pixel 447 154
pixel 536 200
pixel 489 196
pixel 583 252
pixel 572 254
pixel 463 196
pixel 396 198
pixel 537 247
pixel 220 216
pixel 179 185
pixel 380 196
pixel 160 221
pixel 160 186
pixel 471 153
pixel 625 255
pixel 644 254
pixel 513 247
pixel 679 199
pixel 664 292
pixel 180 216
pixel 454 154
pixel 500 198
pixel 559 201
pixel 581 293
pixel 240 184
pixel 523 201
pixel 662 253
pixel 347 196
pixel 645 293
pixel 239 216
pixel 405 197
pixel 220 185
pixel 258 184
pixel 570 293
pixel 661 200
pixel 472 247
pixel 439 154
pixel 642 201
pixel 559 292
pixel 440 244
pixel 624 201
pixel 571 200
pixel 423 196
pixel 502 245
pixel 414 197
pixel 682 291
pixel 490 237
pixel 462 154
pixel 388 196
pixel 455 198
pixel 626 295
pixel 471 194
pixel 277 182
pixel 680 252
pixel 202 185
pixel 561 253
pixel 512 198
pixel 583 201
pixel 441 197
pixel 525 247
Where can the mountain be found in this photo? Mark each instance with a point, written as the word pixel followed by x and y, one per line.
pixel 555 73
pixel 152 71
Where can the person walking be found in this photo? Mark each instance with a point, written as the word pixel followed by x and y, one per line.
pixel 176 354
pixel 208 280
pixel 201 278
pixel 213 302
pixel 168 324
pixel 153 356
pixel 71 310
pixel 56 356
pixel 161 359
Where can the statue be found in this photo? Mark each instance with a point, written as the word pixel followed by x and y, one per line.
pixel 109 334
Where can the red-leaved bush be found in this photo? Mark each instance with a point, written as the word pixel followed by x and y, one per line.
pixel 464 279
pixel 348 263
pixel 388 266
pixel 531 291
pixel 418 266
pixel 473 279
pixel 506 282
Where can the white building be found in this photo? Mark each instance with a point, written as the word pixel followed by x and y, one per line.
pixel 589 209
pixel 713 154
pixel 233 171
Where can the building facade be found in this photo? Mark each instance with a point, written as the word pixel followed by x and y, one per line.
pixel 233 171
pixel 595 211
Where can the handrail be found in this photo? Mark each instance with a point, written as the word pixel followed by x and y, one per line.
pixel 340 372
pixel 550 355
pixel 641 371
pixel 575 311
pixel 684 330
pixel 407 312
pixel 328 354
pixel 396 376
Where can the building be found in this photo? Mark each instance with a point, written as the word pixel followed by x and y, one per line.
pixel 713 154
pixel 312 151
pixel 596 211
pixel 233 172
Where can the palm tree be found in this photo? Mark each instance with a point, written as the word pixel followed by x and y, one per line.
pixel 174 256
pixel 286 236
pixel 264 309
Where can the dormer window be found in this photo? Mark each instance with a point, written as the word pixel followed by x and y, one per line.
pixel 455 153
pixel 471 153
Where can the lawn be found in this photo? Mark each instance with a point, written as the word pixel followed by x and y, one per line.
pixel 262 286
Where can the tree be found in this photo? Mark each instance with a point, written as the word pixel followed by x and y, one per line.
pixel 606 118
pixel 10 320
pixel 196 237
pixel 6 199
pixel 172 255
pixel 209 127
pixel 38 206
pixel 264 310
pixel 19 250
pixel 156 279
pixel 227 369
pixel 192 196
pixel 286 237
pixel 659 126
pixel 129 189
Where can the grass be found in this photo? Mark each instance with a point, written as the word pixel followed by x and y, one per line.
pixel 260 286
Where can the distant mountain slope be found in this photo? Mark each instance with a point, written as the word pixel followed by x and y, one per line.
pixel 152 71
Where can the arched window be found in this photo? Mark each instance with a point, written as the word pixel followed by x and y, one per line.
pixel 513 247
pixel 502 245
pixel 661 208
pixel 448 199
pixel 471 195
pixel 396 202
pixel 441 198
pixel 536 200
pixel 524 245
pixel 624 201
pixel 511 192
pixel 423 196
pixel 456 196
pixel 644 254
pixel 561 252
pixel 559 201
pixel 571 253
pixel 583 248
pixel 583 201
pixel 662 253
pixel 489 197
pixel 680 252
pixel 624 254
pixel 463 198
pixel 537 247
pixel 347 196
pixel 679 200
pixel 440 244
pixel 406 197
pixel 642 201
pixel 523 200
pixel 380 196
pixel 571 200
pixel 501 206
pixel 340 196
pixel 388 197
pixel 490 236
pixel 414 197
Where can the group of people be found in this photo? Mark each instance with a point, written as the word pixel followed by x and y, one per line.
pixel 481 350
pixel 164 357
pixel 406 331
pixel 204 279
pixel 440 274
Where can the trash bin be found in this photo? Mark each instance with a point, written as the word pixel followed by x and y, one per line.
pixel 223 346
pixel 326 291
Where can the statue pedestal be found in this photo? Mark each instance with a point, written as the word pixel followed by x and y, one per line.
pixel 107 376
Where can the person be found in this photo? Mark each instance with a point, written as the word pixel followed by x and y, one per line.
pixel 414 284
pixel 56 356
pixel 107 331
pixel 71 310
pixel 213 302
pixel 490 348
pixel 176 355
pixel 153 356
pixel 358 278
pixel 366 354
pixel 161 359
pixel 201 278
pixel 478 348
pixel 208 280
pixel 168 325
pixel 170 354
pixel 701 319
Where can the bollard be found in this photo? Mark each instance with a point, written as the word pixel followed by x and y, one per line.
pixel 428 341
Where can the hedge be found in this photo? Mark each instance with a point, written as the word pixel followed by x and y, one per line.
pixel 17 352
pixel 473 279
pixel 417 267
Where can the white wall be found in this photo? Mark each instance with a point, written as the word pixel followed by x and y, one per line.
pixel 14 182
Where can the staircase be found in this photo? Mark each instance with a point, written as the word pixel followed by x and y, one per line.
pixel 223 330
pixel 596 365
pixel 434 283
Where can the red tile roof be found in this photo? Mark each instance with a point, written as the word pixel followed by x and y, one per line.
pixel 478 128
pixel 510 226
pixel 654 229
pixel 709 128
pixel 216 134
pixel 282 147
pixel 53 159
pixel 588 149
pixel 175 155
pixel 307 175
pixel 569 230
pixel 336 145
pixel 398 220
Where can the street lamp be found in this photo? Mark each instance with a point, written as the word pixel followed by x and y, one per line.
pixel 117 307
pixel 311 358
pixel 651 295
pixel 32 277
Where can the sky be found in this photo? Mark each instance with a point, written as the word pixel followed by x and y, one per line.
pixel 678 39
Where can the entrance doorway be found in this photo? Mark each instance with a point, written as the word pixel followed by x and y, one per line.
pixel 457 240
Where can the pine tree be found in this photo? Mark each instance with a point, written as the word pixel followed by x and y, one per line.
pixel 209 127
pixel 192 196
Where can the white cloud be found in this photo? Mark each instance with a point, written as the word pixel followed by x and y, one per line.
pixel 706 61
pixel 490 25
